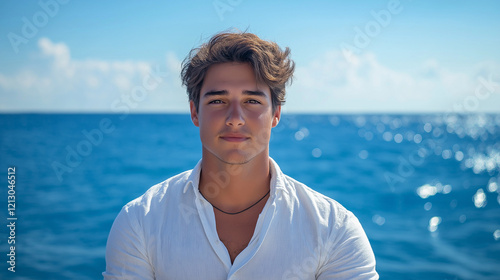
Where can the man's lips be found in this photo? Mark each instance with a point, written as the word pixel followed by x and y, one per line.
pixel 234 137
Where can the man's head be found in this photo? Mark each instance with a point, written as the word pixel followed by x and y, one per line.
pixel 236 85
pixel 271 65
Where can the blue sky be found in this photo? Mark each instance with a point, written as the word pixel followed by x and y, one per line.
pixel 351 56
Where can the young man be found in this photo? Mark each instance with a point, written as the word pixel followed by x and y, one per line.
pixel 236 215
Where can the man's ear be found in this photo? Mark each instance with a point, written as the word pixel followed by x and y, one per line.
pixel 194 113
pixel 276 115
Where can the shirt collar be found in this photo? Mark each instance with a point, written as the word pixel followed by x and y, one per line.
pixel 193 178
pixel 277 182
pixel 277 178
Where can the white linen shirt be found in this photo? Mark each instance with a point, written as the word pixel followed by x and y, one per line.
pixel 169 233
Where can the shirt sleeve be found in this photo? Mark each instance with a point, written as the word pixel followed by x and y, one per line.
pixel 126 256
pixel 350 255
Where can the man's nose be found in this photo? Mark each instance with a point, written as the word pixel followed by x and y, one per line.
pixel 235 116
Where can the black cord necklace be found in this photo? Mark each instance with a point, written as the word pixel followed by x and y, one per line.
pixel 229 213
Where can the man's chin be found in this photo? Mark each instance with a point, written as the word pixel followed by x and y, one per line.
pixel 236 159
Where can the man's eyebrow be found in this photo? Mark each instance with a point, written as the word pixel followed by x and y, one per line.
pixel 225 92
pixel 215 92
pixel 254 92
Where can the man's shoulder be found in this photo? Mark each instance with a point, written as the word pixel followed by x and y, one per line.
pixel 299 194
pixel 155 195
pixel 307 198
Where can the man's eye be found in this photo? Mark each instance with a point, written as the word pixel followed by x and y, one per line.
pixel 217 101
pixel 253 101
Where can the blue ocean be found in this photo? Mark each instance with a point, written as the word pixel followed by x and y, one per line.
pixel 424 187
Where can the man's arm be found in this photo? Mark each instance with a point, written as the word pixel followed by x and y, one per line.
pixel 126 256
pixel 350 255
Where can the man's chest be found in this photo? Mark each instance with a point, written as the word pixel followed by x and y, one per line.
pixel 235 231
pixel 199 248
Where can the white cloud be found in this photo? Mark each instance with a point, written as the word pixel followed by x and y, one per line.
pixel 361 83
pixel 331 83
pixel 57 82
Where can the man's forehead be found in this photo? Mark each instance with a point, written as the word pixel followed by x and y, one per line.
pixel 230 70
pixel 231 76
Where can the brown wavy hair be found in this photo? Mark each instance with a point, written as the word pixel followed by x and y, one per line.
pixel 270 63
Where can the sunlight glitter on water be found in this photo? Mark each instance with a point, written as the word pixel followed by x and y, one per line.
pixel 387 136
pixel 434 223
pixel 379 220
pixel 496 234
pixel 417 138
pixel 479 199
pixel 492 186
pixel 428 206
pixel 301 134
pixel 334 120
pixel 446 154
pixel 316 152
pixel 428 127
pixel 428 190
pixel 398 138
pixel 363 154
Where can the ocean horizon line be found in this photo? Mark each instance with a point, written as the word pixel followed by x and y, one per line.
pixel 282 112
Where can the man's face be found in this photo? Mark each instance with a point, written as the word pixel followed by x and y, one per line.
pixel 235 114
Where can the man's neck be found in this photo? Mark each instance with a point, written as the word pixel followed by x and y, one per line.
pixel 233 187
